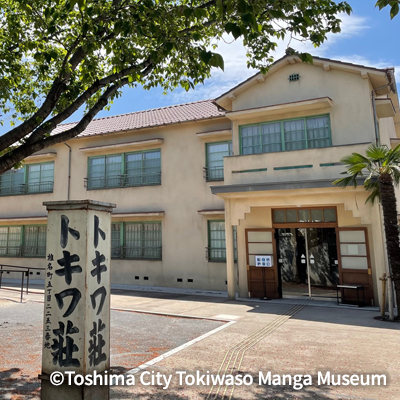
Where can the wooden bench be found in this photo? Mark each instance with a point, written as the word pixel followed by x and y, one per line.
pixel 355 287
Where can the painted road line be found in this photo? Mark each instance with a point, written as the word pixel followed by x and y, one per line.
pixel 177 349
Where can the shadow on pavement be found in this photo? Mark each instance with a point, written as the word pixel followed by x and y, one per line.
pixel 16 385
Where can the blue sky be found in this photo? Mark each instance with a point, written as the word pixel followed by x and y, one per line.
pixel 368 37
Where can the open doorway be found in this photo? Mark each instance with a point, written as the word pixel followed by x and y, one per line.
pixel 307 262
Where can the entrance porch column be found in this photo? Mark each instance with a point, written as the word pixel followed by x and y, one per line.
pixel 230 265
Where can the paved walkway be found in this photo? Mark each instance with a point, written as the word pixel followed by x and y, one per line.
pixel 269 336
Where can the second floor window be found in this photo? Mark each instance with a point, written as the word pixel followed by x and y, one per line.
pixel 125 170
pixel 215 153
pixel 32 178
pixel 136 240
pixel 286 135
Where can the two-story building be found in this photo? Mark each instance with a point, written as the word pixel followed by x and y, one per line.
pixel 231 194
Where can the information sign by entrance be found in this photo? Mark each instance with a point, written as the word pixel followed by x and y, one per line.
pixel 263 261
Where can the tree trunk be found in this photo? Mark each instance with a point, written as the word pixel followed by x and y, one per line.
pixel 389 208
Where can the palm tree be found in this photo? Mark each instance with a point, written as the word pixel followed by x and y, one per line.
pixel 380 168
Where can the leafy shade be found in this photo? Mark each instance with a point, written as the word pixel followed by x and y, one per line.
pixel 59 55
pixel 378 162
pixel 393 4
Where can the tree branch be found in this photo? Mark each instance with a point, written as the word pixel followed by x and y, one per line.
pixel 8 160
pixel 48 126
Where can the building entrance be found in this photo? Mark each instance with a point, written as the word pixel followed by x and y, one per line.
pixel 307 262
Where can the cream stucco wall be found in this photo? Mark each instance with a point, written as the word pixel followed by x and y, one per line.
pixel 255 211
pixel 351 114
pixel 184 192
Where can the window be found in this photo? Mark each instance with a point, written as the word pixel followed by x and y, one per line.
pixel 116 246
pixel 295 134
pixel 25 241
pixel 125 170
pixel 304 215
pixel 34 241
pixel 216 250
pixel 32 178
pixel 105 172
pixel 215 153
pixel 10 240
pixel 136 240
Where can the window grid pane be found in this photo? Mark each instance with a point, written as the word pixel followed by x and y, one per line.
pixel 34 241
pixel 12 182
pixel 116 251
pixel 143 241
pixel 10 241
pixel 271 139
pixel 217 243
pixel 296 134
pixel 250 140
pixel 303 215
pixel 318 132
pixel 215 159
pixel 217 249
pixel 40 178
pixel 141 168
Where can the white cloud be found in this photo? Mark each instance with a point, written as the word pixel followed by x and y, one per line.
pixel 236 71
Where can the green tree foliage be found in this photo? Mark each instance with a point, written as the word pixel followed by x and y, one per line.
pixel 57 55
pixel 380 171
pixel 393 4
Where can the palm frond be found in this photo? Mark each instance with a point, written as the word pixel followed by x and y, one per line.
pixel 375 195
pixel 344 182
pixel 356 169
pixel 395 172
pixel 371 184
pixel 355 158
pixel 393 156
pixel 377 153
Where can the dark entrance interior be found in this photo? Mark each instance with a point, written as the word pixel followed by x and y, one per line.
pixel 307 262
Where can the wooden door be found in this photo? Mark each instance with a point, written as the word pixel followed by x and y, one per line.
pixel 261 281
pixel 355 263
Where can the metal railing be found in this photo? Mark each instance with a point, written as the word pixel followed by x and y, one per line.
pixel 24 271
pixel 27 188
pixel 135 253
pixel 121 181
pixel 213 174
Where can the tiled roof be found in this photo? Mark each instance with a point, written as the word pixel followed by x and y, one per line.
pixel 198 110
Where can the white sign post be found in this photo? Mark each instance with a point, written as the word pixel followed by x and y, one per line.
pixel 76 325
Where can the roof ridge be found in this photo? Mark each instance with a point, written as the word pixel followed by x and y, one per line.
pixel 142 111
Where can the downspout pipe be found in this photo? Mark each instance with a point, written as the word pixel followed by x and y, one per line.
pixel 69 171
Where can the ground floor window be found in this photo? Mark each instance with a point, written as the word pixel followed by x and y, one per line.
pixel 136 240
pixel 216 250
pixel 23 241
